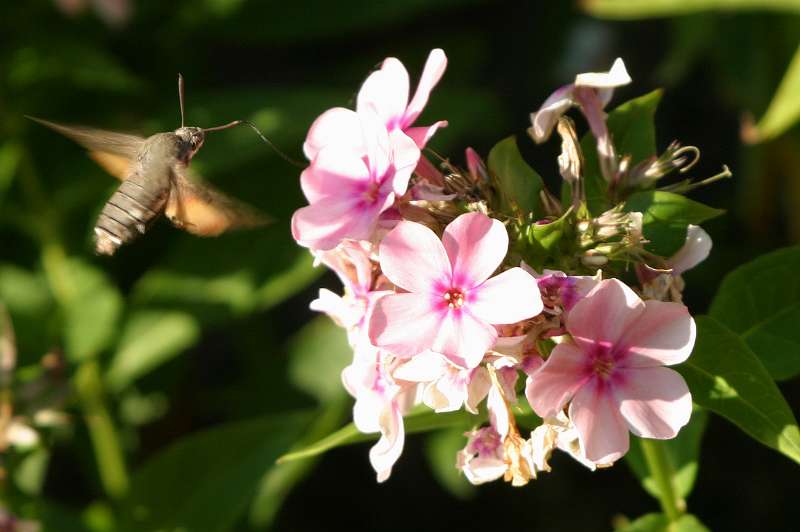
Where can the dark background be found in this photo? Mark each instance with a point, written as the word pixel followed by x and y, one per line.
pixel 283 63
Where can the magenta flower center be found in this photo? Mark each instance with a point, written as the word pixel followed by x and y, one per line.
pixel 603 367
pixel 371 193
pixel 454 298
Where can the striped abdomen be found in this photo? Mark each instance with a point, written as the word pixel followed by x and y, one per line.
pixel 128 213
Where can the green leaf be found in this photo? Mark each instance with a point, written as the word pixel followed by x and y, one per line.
pixel 660 523
pixel 149 339
pixel 638 9
pixel 543 239
pixel 91 313
pixel 29 474
pixel 440 449
pixel 666 217
pixel 205 480
pixel 318 353
pixel 518 184
pixel 632 129
pixel 784 109
pixel 726 377
pixel 683 453
pixel 28 299
pixel 421 419
pixel 761 302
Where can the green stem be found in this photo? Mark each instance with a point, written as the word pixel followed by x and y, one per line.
pixel 110 460
pixel 660 468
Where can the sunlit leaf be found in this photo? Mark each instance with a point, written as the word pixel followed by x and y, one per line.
pixel 683 453
pixel 660 523
pixel 205 480
pixel 726 377
pixel 666 217
pixel 518 183
pixel 637 9
pixel 29 474
pixel 92 311
pixel 149 339
pixel 318 353
pixel 761 302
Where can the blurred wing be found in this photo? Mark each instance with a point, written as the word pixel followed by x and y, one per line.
pixel 111 150
pixel 204 211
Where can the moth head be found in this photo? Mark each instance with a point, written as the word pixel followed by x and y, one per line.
pixel 191 139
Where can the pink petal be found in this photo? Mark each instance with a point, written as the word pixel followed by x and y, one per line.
pixel 655 402
pixel 333 172
pixel 422 134
pixel 463 338
pixel 405 156
pixel 557 380
pixel 601 428
pixel 663 335
pixel 431 74
pixel 476 245
pixel 694 251
pixel 509 297
pixel 404 324
pixel 428 171
pixel 412 257
pixel 386 452
pixel 604 315
pixel 337 125
pixel 327 222
pixel 544 120
pixel 387 91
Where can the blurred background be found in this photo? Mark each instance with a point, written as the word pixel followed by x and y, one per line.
pixel 158 386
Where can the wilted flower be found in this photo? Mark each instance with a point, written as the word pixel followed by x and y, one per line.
pixel 558 433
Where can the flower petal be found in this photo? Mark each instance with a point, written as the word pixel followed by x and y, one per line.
pixel 601 428
pixel 422 134
pixel 385 453
pixel 694 251
pixel 337 125
pixel 403 324
pixel 463 338
pixel 386 90
pixel 424 367
pixel 404 155
pixel 412 257
pixel 562 374
pixel 334 172
pixel 509 297
pixel 655 402
pixel 604 315
pixel 544 120
pixel 616 76
pixel 476 245
pixel 327 222
pixel 431 74
pixel 663 335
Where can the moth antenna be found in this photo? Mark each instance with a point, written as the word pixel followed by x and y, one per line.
pixel 268 142
pixel 180 96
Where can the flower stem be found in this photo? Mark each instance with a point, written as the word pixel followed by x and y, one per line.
pixel 661 469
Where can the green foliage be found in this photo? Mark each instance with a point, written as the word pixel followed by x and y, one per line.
pixel 204 482
pixel 760 301
pixel 660 523
pixel 637 9
pixel 441 449
pixel 726 377
pixel 516 178
pixel 666 217
pixel 319 353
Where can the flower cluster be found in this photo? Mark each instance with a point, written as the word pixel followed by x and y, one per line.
pixel 452 291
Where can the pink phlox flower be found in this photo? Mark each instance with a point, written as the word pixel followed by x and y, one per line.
pixel 447 387
pixel 349 185
pixel 611 375
pixel 380 405
pixel 387 89
pixel 560 292
pixel 558 433
pixel 451 302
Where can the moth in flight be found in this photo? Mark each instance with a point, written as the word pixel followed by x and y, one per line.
pixel 156 179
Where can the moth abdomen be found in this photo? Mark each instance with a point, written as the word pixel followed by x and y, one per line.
pixel 126 215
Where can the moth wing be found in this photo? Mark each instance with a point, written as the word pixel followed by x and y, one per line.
pixel 203 210
pixel 112 150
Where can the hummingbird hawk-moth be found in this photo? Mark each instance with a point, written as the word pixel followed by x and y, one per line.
pixel 155 180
